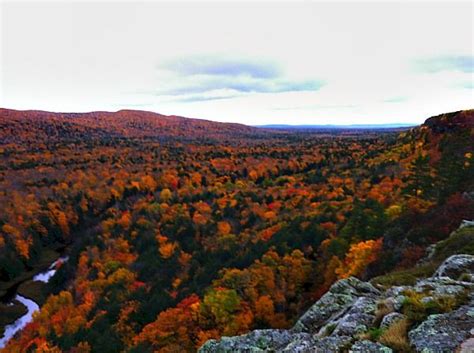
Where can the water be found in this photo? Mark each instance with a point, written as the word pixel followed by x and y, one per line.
pixel 46 276
pixel 19 324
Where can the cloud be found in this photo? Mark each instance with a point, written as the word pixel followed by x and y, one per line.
pixel 207 65
pixel 398 99
pixel 242 85
pixel 320 107
pixel 194 99
pixel 293 86
pixel 462 63
pixel 204 78
pixel 134 105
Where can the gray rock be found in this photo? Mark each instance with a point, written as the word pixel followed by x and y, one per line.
pixel 443 332
pixel 395 302
pixel 335 344
pixel 369 347
pixel 466 223
pixel 427 300
pixel 334 303
pixel 357 319
pixel 436 287
pixel 454 266
pixel 391 318
pixel 254 341
pixel 395 291
pixel 300 343
pixel 467 346
pixel 451 290
pixel 437 283
pixel 277 341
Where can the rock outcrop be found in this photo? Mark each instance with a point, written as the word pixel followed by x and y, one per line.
pixel 336 302
pixel 343 319
pixel 456 266
pixel 443 332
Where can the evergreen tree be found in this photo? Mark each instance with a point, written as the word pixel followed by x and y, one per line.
pixel 420 181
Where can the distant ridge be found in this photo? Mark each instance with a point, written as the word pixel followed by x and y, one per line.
pixel 34 125
pixel 332 126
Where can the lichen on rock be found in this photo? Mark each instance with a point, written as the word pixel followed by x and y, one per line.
pixel 367 346
pixel 454 266
pixel 334 303
pixel 443 332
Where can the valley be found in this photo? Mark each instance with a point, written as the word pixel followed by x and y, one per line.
pixel 179 231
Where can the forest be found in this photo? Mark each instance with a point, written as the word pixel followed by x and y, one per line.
pixel 179 230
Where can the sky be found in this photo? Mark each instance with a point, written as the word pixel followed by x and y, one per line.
pixel 298 62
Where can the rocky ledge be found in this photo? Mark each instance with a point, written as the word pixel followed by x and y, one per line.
pixel 434 315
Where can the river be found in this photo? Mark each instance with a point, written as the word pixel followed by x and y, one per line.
pixel 19 324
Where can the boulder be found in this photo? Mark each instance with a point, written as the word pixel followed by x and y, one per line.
pixel 467 346
pixel 454 266
pixel 277 341
pixel 358 318
pixel 394 298
pixel 369 347
pixel 443 332
pixel 334 304
pixel 313 344
pixel 442 286
pixel 396 291
pixel 254 341
pixel 391 318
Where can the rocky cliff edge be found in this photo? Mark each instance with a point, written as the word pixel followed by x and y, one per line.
pixel 434 315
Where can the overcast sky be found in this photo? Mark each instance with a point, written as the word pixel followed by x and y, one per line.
pixel 254 63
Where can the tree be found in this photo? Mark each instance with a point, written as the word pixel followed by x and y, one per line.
pixel 165 195
pixel 223 228
pixel 360 255
pixel 264 310
pixel 420 181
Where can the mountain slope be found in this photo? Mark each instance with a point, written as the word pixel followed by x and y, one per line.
pixel 15 126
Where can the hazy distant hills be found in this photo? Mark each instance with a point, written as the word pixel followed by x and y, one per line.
pixel 33 125
pixel 331 126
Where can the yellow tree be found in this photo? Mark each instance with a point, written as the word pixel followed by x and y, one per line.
pixel 360 255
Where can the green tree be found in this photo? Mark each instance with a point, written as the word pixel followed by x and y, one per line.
pixel 420 182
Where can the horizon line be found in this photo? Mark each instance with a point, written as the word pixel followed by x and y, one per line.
pixel 270 125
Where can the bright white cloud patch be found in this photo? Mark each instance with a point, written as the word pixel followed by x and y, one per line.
pixel 255 63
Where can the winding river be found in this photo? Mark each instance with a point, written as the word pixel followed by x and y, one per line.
pixel 19 324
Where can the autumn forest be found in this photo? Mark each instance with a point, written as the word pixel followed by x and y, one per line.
pixel 173 231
